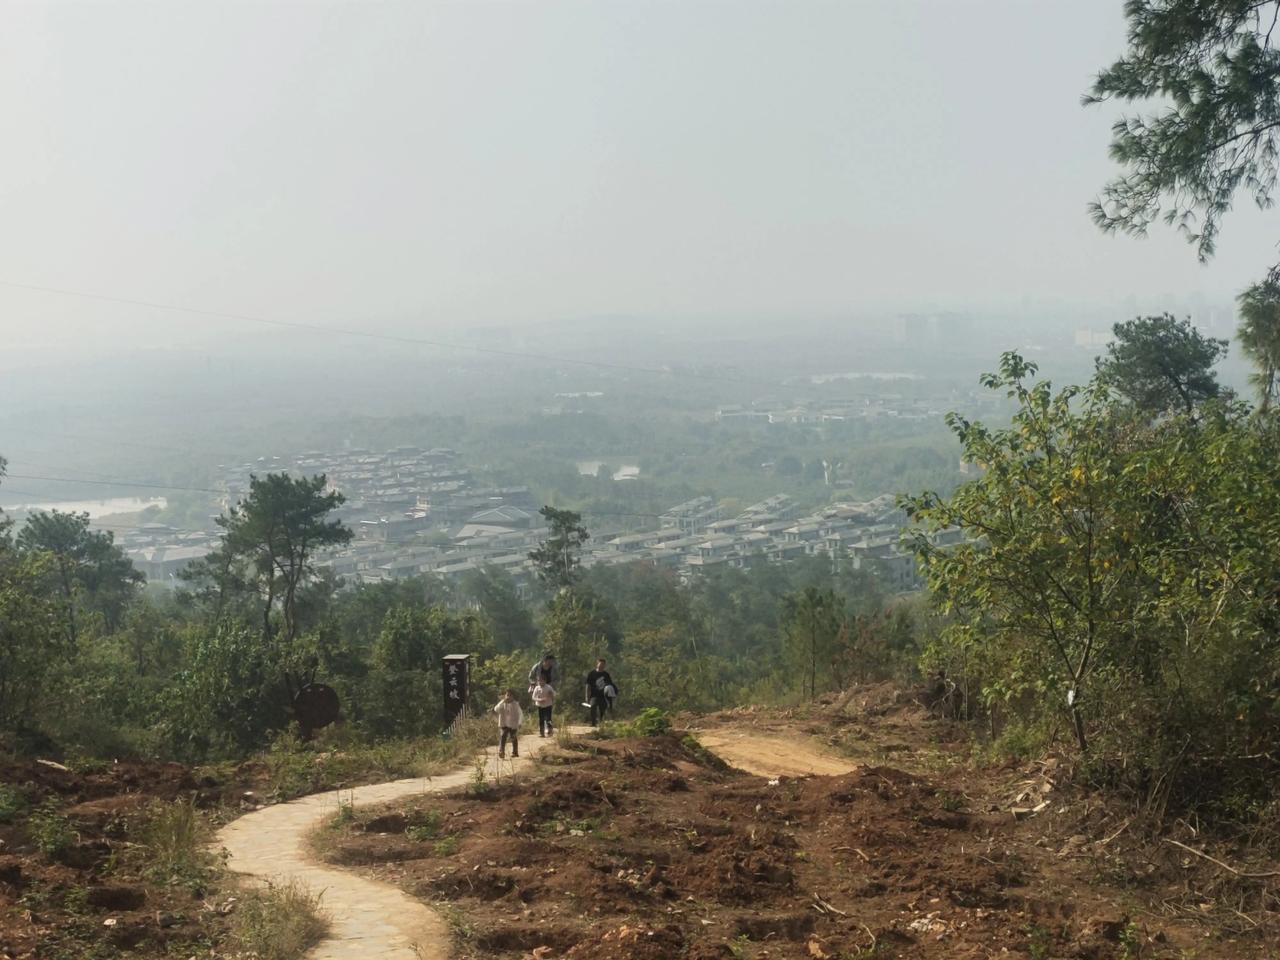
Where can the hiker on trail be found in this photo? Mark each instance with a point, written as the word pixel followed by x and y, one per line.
pixel 509 717
pixel 545 669
pixel 544 695
pixel 601 691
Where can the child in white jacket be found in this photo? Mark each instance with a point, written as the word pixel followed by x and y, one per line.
pixel 509 717
pixel 544 697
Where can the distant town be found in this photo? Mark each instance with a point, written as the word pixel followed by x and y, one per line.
pixel 417 511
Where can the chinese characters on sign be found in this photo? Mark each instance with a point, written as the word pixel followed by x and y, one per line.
pixel 456 669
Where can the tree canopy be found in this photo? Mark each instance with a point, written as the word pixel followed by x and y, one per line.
pixel 558 557
pixel 1162 364
pixel 1213 69
pixel 1119 575
pixel 269 544
pixel 1259 337
pixel 91 572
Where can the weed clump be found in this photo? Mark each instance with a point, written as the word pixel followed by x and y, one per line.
pixel 173 844
pixel 280 922
pixel 52 833
pixel 13 803
pixel 650 722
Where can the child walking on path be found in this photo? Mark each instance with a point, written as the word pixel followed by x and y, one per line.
pixel 509 717
pixel 544 696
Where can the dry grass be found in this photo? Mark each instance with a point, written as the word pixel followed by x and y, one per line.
pixel 279 922
pixel 174 843
pixel 335 761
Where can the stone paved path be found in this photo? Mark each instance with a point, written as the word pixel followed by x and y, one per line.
pixel 369 920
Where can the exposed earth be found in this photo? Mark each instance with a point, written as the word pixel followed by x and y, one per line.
pixel 856 828
pixel 656 848
pixel 70 886
pixel 772 755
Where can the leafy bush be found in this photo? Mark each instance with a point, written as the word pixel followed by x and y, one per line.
pixel 650 722
pixel 1118 583
pixel 446 846
pixel 229 697
pixel 13 802
pixel 52 833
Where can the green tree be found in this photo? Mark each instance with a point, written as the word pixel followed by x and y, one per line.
pixel 577 628
pixel 1034 591
pixel 220 583
pixel 1259 337
pixel 1119 574
pixel 149 636
pixel 509 618
pixel 229 697
pixel 558 557
pixel 1161 364
pixel 402 696
pixel 814 621
pixel 33 636
pixel 274 534
pixel 1214 68
pixel 660 669
pixel 90 571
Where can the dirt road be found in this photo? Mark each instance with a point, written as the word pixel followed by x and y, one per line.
pixel 773 755
pixel 368 920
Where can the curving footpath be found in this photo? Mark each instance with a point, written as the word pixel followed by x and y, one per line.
pixel 773 754
pixel 369 920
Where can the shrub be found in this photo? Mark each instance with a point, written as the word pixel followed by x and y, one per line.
pixel 446 846
pixel 651 722
pixel 1117 584
pixel 12 803
pixel 52 833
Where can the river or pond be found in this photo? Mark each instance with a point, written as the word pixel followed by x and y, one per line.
pixel 626 471
pixel 94 508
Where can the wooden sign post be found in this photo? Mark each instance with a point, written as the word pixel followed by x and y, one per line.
pixel 457 669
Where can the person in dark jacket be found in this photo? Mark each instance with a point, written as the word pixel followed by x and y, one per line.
pixel 601 691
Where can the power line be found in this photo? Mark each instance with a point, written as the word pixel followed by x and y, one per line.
pixel 115 483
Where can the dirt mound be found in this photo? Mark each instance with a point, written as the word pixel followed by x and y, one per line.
pixel 102 787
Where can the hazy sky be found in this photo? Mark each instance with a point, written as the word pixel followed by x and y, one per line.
pixel 419 164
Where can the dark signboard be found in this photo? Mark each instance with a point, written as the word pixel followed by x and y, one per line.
pixel 456 667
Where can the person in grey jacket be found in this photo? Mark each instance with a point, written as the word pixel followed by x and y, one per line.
pixel 546 670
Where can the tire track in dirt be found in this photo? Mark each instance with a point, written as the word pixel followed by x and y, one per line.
pixel 369 920
pixel 772 754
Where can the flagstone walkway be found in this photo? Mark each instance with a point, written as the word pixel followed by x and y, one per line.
pixel 369 920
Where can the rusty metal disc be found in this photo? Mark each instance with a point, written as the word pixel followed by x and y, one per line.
pixel 316 705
